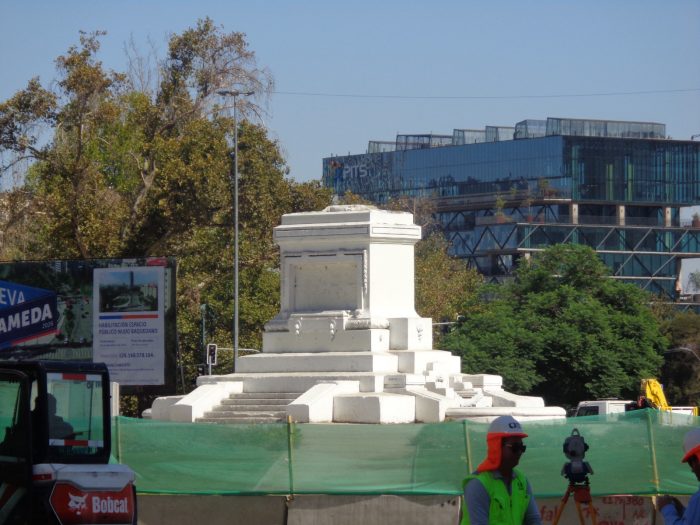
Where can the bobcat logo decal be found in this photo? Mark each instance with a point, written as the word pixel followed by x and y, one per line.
pixel 77 503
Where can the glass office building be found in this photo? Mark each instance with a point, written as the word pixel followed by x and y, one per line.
pixel 615 186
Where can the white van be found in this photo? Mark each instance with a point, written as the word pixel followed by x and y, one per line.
pixel 602 407
pixel 690 411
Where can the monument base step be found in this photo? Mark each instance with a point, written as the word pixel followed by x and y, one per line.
pixel 297 381
pixel 420 361
pixel 404 380
pixel 259 407
pixel 259 400
pixel 374 408
pixel 332 340
pixel 247 407
pixel 468 392
pixel 319 362
pixel 241 420
pixel 488 414
pixel 235 414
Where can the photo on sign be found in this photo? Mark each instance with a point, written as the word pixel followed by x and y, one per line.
pixel 129 329
pixel 128 291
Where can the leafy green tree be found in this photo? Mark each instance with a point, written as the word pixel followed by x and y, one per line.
pixel 682 329
pixel 679 374
pixel 496 340
pixel 118 171
pixel 126 169
pixel 563 330
pixel 443 283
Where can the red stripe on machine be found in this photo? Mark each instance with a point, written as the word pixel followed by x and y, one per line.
pixel 74 377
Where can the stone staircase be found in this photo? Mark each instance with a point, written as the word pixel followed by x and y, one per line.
pixel 258 403
pixel 251 407
pixel 468 394
pixel 473 397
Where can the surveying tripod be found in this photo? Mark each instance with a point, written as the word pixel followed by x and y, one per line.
pixel 582 494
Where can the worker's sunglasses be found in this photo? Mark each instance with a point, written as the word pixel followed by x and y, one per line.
pixel 518 448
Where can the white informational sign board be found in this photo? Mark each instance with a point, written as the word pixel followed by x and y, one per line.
pixel 129 323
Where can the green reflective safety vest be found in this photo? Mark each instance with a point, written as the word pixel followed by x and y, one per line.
pixel 505 509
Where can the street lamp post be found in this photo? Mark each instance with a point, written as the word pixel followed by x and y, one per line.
pixel 203 311
pixel 235 94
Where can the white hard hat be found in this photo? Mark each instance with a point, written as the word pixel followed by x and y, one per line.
pixel 691 444
pixel 506 426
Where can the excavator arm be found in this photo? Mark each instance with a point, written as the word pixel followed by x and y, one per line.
pixel 652 392
pixel 652 395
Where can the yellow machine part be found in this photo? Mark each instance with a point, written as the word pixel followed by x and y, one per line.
pixel 653 392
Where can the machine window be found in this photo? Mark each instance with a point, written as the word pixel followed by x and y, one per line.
pixel 76 418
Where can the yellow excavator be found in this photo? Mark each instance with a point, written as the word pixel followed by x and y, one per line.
pixel 652 396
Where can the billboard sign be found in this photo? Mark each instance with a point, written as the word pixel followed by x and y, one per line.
pixel 117 311
pixel 26 313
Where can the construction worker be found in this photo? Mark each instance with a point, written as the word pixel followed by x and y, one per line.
pixel 497 493
pixel 671 509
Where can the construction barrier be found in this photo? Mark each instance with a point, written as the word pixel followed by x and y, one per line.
pixel 634 454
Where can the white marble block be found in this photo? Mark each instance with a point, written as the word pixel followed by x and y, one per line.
pixel 347 283
pixel 374 408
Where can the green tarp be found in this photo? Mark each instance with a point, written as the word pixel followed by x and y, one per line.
pixel 633 453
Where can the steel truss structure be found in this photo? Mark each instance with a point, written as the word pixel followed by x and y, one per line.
pixel 649 256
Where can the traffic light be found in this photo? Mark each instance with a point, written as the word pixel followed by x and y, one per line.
pixel 211 354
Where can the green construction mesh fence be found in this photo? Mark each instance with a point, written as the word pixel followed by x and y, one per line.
pixel 634 453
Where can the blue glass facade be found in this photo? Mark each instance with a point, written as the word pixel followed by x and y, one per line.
pixel 629 170
pixel 583 168
pixel 499 201
pixel 488 167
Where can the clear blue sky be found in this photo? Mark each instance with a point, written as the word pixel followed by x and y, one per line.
pixel 535 50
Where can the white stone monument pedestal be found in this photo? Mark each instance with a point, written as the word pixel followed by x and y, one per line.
pixel 347 344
